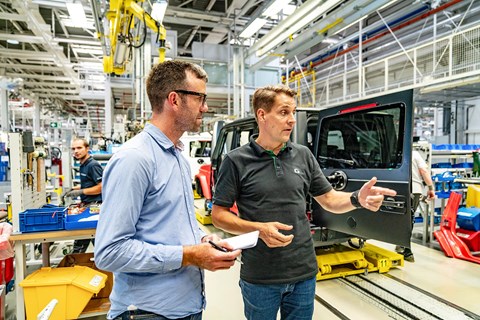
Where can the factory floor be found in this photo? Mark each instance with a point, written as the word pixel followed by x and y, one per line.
pixel 454 281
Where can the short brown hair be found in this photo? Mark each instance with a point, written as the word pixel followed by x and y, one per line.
pixel 168 76
pixel 264 98
pixel 85 142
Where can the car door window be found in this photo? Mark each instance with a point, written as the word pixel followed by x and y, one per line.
pixel 363 139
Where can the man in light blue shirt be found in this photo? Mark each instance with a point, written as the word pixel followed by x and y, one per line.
pixel 147 234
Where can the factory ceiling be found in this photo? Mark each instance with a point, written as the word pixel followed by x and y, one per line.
pixel 60 63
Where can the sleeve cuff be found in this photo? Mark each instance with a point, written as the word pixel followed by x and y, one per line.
pixel 174 258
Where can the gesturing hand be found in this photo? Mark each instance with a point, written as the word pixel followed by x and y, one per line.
pixel 272 237
pixel 371 197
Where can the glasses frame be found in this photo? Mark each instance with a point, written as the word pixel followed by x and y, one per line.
pixel 193 93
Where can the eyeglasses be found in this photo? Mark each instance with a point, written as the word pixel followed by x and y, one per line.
pixel 193 93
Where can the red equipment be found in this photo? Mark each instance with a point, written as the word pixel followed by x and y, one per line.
pixel 447 237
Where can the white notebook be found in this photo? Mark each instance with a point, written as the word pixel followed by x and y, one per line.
pixel 244 241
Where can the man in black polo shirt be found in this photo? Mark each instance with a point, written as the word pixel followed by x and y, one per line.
pixel 90 190
pixel 269 179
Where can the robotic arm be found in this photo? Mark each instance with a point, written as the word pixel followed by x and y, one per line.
pixel 121 16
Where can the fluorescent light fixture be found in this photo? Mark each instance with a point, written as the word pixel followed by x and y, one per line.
pixel 293 26
pixel 289 9
pixel 69 22
pixel 158 10
pixel 275 8
pixel 77 14
pixel 12 41
pixel 330 41
pixel 88 50
pixel 253 27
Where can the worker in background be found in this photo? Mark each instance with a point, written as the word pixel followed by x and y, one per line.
pixel 420 174
pixel 147 234
pixel 90 190
pixel 269 179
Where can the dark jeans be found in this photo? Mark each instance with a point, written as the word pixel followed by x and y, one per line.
pixel 294 300
pixel 140 314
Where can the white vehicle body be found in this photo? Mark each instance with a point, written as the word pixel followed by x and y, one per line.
pixel 197 149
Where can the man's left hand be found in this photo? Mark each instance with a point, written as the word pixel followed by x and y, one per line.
pixel 430 195
pixel 74 193
pixel 371 197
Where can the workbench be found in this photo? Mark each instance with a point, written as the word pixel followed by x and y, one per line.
pixel 21 239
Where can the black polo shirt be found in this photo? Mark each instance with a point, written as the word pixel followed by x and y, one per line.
pixel 90 175
pixel 273 188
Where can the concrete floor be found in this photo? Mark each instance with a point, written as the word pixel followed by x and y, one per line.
pixel 454 280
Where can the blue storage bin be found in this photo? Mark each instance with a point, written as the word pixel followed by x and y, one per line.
pixel 49 205
pixel 463 165
pixel 439 147
pixel 444 165
pixel 444 177
pixel 3 170
pixel 469 218
pixel 72 221
pixel 43 219
pixel 443 194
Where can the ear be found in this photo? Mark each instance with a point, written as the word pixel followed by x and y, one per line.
pixel 261 115
pixel 173 99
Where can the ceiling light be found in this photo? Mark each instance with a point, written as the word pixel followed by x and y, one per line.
pixel 274 8
pixel 77 14
pixel 158 10
pixel 330 41
pixel 292 26
pixel 12 41
pixel 253 27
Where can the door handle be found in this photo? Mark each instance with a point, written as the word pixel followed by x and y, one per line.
pixel 396 204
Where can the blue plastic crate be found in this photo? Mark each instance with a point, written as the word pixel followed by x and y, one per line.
pixel 443 194
pixel 72 221
pixel 469 218
pixel 43 219
pixel 3 170
pixel 463 165
pixel 443 165
pixel 439 147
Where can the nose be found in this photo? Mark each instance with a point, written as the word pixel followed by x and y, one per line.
pixel 204 107
pixel 291 118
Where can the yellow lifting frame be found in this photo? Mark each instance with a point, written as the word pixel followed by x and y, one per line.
pixel 119 17
pixel 341 261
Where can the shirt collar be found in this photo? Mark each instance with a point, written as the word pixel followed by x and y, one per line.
pixel 259 149
pixel 90 158
pixel 161 138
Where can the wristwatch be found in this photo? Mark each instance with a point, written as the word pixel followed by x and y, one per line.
pixel 354 200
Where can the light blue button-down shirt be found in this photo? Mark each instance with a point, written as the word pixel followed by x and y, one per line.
pixel 146 217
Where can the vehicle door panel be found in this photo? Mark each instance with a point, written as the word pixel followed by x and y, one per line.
pixel 366 139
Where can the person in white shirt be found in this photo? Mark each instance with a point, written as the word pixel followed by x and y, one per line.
pixel 420 174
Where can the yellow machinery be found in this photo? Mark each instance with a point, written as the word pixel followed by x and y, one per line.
pixel 341 261
pixel 121 16
pixel 203 217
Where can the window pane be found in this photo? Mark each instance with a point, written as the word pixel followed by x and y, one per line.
pixel 363 139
